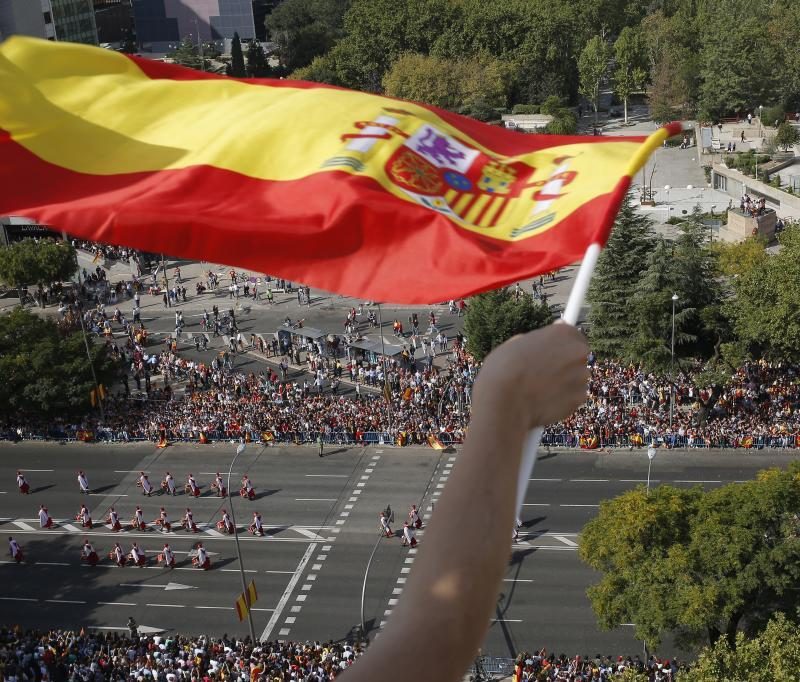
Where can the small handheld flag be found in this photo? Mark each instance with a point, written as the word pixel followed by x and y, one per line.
pixel 346 191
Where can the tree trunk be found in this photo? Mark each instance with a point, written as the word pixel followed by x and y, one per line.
pixel 733 625
pixel 713 635
pixel 625 104
pixel 706 407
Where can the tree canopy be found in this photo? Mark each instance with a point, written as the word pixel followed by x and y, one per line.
pixel 618 271
pixel 765 310
pixel 496 316
pixel 41 262
pixel 696 55
pixel 771 656
pixel 697 564
pixel 45 370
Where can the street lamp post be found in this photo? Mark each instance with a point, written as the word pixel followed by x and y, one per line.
pixel 667 188
pixel 651 454
pixel 672 365
pixel 239 451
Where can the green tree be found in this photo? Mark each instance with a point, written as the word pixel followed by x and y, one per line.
pixel 187 54
pixel 630 73
pixel 495 316
pixel 787 136
pixel 687 269
pixel 618 271
pixel 783 33
pixel 771 656
pixel 257 65
pixel 672 63
pixel 739 259
pixel 697 564
pixel 46 372
pixel 42 263
pixel 377 32
pixel 592 67
pixel 320 70
pixel 237 68
pixel 458 85
pixel 305 29
pixel 733 79
pixel 765 310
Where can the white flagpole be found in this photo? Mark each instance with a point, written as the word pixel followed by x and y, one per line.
pixel 571 313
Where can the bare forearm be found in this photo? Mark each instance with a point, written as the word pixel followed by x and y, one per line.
pixel 444 612
pixel 445 609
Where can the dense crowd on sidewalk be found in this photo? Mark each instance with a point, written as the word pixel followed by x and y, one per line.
pixel 625 406
pixel 543 666
pixel 90 656
pixel 760 406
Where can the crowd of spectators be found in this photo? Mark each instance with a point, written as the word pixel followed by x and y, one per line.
pixel 58 656
pixel 207 400
pixel 96 656
pixel 543 666
pixel 760 406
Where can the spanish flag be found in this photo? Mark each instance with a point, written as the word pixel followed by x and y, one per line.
pixel 170 160
pixel 435 443
pixel 246 600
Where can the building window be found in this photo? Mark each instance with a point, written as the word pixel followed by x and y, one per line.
pixel 48 18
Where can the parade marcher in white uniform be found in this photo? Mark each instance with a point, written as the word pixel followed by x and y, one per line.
pixel 113 520
pixel 88 554
pixel 22 484
pixel 385 527
pixel 408 536
pixel 45 520
pixel 517 526
pixel 163 521
pixel 414 518
pixel 15 550
pixel 137 555
pixel 219 486
pixel 191 486
pixel 201 560
pixel 144 484
pixel 138 520
pixel 167 556
pixel 84 517
pixel 247 490
pixel 83 482
pixel 168 484
pixel 226 524
pixel 117 555
pixel 188 521
pixel 256 528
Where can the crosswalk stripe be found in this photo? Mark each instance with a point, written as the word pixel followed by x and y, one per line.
pixel 22 525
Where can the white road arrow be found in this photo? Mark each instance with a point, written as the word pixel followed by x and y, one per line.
pixel 166 588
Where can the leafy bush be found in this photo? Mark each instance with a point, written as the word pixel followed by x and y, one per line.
pixel 525 109
pixel 552 105
pixel 771 114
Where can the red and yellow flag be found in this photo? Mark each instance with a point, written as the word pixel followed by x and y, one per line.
pixel 346 191
pixel 245 601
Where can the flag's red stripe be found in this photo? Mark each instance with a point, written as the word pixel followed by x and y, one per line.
pixel 306 230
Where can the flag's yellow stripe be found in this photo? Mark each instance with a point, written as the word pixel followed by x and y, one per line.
pixel 450 196
pixel 477 207
pixel 492 211
pixel 461 204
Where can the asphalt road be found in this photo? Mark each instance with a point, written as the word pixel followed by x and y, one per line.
pixel 321 515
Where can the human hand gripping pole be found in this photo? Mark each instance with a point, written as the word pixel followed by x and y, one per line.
pixel 571 313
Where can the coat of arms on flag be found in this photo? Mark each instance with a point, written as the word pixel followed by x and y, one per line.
pixel 445 174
